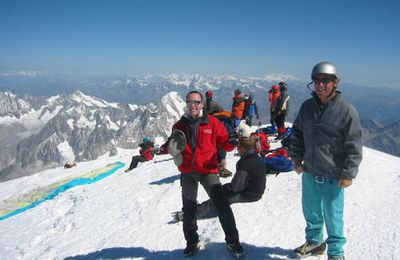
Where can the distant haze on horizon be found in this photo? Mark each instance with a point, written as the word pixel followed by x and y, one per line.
pixel 72 77
pixel 256 38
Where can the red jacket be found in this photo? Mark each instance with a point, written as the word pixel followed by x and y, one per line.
pixel 147 151
pixel 273 97
pixel 210 135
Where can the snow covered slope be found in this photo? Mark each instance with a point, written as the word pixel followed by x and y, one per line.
pixel 128 216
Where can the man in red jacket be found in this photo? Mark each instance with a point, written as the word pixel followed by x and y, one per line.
pixel 199 164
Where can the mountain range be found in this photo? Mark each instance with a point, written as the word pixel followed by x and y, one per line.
pixel 38 133
pixel 378 103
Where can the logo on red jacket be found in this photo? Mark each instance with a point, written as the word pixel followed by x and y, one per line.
pixel 207 131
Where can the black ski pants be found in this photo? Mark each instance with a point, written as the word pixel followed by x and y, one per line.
pixel 207 208
pixel 280 120
pixel 212 185
pixel 135 161
pixel 272 118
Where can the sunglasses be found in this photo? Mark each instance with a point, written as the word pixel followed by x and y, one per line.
pixel 195 102
pixel 323 81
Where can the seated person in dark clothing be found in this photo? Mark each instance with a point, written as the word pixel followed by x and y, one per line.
pixel 248 183
pixel 146 153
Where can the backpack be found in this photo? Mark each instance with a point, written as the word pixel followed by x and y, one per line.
pixel 238 107
pixel 262 145
pixel 278 161
pixel 226 118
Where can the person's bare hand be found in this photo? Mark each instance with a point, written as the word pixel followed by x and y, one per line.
pixel 344 183
pixel 298 167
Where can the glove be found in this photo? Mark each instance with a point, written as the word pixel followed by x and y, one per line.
pixel 234 138
pixel 175 152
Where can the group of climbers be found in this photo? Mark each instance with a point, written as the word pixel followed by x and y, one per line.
pixel 327 157
pixel 243 109
pixel 194 144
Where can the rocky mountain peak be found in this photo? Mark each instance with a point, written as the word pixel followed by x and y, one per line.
pixel 85 126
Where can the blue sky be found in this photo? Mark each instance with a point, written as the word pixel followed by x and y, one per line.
pixel 247 38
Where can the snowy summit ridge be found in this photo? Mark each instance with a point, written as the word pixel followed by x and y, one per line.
pixel 128 216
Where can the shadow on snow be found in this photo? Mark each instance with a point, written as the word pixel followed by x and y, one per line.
pixel 166 180
pixel 211 251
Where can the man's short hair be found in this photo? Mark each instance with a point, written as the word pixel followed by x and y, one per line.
pixel 247 142
pixel 194 92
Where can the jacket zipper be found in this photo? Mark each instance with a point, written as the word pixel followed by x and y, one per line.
pixel 320 112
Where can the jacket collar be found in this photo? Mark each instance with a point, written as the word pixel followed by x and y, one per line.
pixel 202 120
pixel 333 100
pixel 250 152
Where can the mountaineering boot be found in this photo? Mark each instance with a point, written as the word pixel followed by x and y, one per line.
pixel 336 258
pixel 309 249
pixel 236 249
pixel 224 173
pixel 192 249
pixel 177 216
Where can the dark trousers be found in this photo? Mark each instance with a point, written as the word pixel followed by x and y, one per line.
pixel 280 122
pixel 135 161
pixel 221 154
pixel 207 208
pixel 213 187
pixel 272 118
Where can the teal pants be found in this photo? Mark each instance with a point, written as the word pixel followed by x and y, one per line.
pixel 323 202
